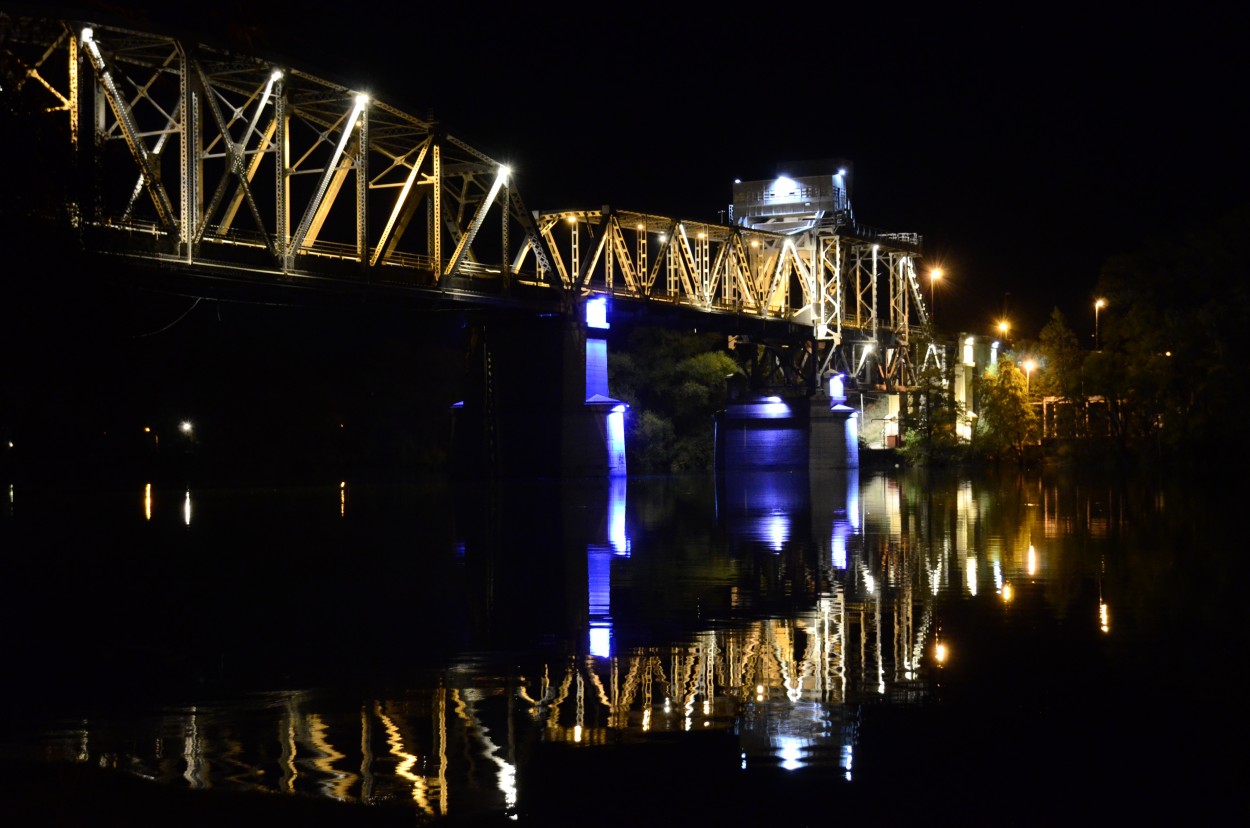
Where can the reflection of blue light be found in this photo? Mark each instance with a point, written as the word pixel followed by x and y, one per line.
pixel 599 574
pixel 778 530
pixel 601 640
pixel 597 313
pixel 616 516
pixel 852 500
pixel 790 752
pixel 848 759
pixel 840 530
pixel 599 598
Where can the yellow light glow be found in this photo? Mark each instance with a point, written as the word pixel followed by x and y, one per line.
pixel 577 733
pixel 1104 617
pixel 939 653
pixel 1100 304
pixel 147 502
pixel 1004 327
pixel 1032 560
pixel 1008 593
pixel 936 273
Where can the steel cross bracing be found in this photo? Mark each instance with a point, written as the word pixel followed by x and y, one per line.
pixel 216 158
pixel 855 291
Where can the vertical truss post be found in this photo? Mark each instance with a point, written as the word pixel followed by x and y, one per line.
pixel 362 188
pixel 282 193
pixel 436 214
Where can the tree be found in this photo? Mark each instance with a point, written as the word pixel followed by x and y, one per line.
pixel 673 382
pixel 1178 311
pixel 1008 422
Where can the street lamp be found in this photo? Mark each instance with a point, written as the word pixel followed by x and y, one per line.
pixel 934 275
pixel 1099 304
pixel 1003 328
pixel 1028 365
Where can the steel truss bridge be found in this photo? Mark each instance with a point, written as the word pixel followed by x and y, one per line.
pixel 212 164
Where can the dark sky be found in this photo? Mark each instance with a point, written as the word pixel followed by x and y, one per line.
pixel 1027 144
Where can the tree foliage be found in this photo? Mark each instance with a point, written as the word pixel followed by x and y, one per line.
pixel 1177 310
pixel 1007 422
pixel 674 382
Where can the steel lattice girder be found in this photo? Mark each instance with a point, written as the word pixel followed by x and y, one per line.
pixel 212 152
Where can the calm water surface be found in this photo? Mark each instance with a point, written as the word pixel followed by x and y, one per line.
pixel 958 648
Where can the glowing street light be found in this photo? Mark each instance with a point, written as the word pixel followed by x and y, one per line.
pixel 1099 304
pixel 1028 365
pixel 1003 327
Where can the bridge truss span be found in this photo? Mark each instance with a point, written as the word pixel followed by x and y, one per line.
pixel 855 291
pixel 193 154
pixel 228 165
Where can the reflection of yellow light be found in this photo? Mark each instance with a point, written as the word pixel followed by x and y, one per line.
pixel 407 761
pixel 1008 592
pixel 186 508
pixel 1032 560
pixel 1104 620
pixel 939 653
pixel 342 498
pixel 147 501
pixel 577 733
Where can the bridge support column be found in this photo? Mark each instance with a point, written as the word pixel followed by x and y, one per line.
pixel 833 435
pixel 536 404
pixel 833 430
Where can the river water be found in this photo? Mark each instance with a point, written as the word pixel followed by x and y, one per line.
pixel 768 648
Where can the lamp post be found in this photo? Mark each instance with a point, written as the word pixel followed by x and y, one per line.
pixel 1099 304
pixel 1028 365
pixel 934 275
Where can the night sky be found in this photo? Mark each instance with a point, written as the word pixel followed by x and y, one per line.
pixel 1026 144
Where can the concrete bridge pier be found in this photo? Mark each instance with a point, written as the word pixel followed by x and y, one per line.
pixel 816 432
pixel 536 400
pixel 833 429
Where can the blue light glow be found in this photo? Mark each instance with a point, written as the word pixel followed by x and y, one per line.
pixel 778 530
pixel 616 444
pixel 616 516
pixel 836 388
pixel 838 541
pixel 597 313
pixel 601 640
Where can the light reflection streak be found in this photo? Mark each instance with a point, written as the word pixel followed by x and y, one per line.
pixel 339 783
pixel 1031 561
pixel 868 632
pixel 147 501
pixel 395 742
pixel 186 508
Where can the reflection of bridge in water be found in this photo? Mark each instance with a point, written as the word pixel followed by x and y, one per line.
pixel 189 170
pixel 777 670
